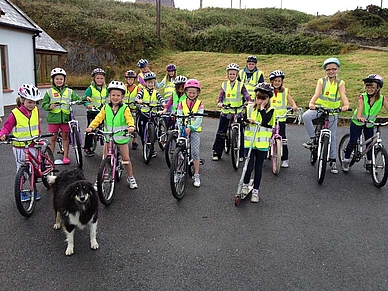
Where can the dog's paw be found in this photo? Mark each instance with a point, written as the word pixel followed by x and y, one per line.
pixel 94 245
pixel 57 226
pixel 69 251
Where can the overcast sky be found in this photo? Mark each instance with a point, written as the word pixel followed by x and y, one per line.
pixel 326 7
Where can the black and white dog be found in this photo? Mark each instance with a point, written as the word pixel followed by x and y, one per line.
pixel 76 204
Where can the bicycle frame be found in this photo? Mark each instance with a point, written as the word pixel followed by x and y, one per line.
pixel 374 141
pixel 73 122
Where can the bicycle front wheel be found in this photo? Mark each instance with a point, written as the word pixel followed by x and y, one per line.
pixel 227 142
pixel 162 133
pixel 25 191
pixel 119 166
pixel 380 167
pixel 49 154
pixel 342 149
pixel 178 173
pixel 148 147
pixel 105 181
pixel 322 162
pixel 77 146
pixel 170 147
pixel 276 156
pixel 235 147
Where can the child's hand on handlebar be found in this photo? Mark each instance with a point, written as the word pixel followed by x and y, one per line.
pixel 131 129
pixel 3 137
pixel 219 105
pixel 312 106
pixel 89 129
pixel 345 108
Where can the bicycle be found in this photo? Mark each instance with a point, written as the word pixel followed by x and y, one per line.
pixel 111 167
pixel 182 162
pixel 233 136
pixel 320 148
pixel 379 166
pixel 33 167
pixel 171 140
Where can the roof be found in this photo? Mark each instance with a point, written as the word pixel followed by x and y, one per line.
pixel 163 2
pixel 13 17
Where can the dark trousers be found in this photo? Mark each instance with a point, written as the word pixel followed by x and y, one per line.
pixel 256 162
pixel 90 115
pixel 282 132
pixel 355 132
pixel 219 142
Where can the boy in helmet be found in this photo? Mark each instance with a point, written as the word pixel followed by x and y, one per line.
pixel 251 75
pixel 117 115
pixel 368 107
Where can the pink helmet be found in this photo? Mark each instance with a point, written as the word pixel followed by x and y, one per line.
pixel 192 83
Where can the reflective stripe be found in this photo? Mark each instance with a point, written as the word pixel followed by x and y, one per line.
pixel 263 135
pixel 169 88
pixel 280 104
pixel 329 96
pixel 115 122
pixel 194 109
pixel 98 98
pixel 151 100
pixel 251 84
pixel 232 96
pixel 25 127
pixel 56 96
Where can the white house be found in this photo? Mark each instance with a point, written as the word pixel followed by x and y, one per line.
pixel 27 53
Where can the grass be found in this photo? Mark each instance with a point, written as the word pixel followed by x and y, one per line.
pixel 302 72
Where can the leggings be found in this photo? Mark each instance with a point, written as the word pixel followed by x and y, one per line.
pixel 256 161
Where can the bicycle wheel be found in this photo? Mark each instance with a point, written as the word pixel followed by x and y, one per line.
pixel 235 147
pixel 342 148
pixel 94 143
pixel 227 142
pixel 148 147
pixel 276 156
pixel 313 154
pixel 105 181
pixel 49 154
pixel 119 166
pixel 380 166
pixel 322 162
pixel 77 146
pixel 162 133
pixel 178 173
pixel 170 147
pixel 25 191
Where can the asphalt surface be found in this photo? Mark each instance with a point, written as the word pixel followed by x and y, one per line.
pixel 300 236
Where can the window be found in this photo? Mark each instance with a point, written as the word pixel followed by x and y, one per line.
pixel 45 62
pixel 4 70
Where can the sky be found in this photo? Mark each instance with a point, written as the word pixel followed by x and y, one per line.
pixel 325 7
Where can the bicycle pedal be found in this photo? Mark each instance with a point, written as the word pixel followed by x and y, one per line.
pixel 201 161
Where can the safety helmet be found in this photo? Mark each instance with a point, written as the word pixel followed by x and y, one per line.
pixel 331 61
pixel 142 63
pixel 232 66
pixel 170 68
pixel 130 74
pixel 149 76
pixel 116 85
pixel 265 87
pixel 276 74
pixel 192 83
pixel 252 59
pixel 98 71
pixel 375 79
pixel 180 80
pixel 30 92
pixel 58 71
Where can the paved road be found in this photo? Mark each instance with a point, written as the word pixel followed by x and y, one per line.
pixel 301 236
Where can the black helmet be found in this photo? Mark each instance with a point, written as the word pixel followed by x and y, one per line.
pixel 252 59
pixel 265 87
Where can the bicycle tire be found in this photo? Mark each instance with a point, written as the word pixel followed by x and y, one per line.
pixel 23 183
pixel 235 148
pixel 105 181
pixel 276 156
pixel 94 142
pixel 322 162
pixel 48 153
pixel 227 142
pixel 77 146
pixel 148 147
pixel 162 133
pixel 313 155
pixel 60 143
pixel 342 148
pixel 381 158
pixel 119 166
pixel 170 147
pixel 178 173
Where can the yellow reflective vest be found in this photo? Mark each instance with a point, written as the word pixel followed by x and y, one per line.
pixel 98 97
pixel 330 97
pixel 232 96
pixel 64 99
pixel 25 127
pixel 186 110
pixel 280 102
pixel 115 122
pixel 169 87
pixel 129 97
pixel 251 84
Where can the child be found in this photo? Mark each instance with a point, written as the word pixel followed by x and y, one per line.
pixel 117 115
pixel 233 93
pixel 59 114
pixel 251 75
pixel 168 81
pixel 369 105
pixel 150 96
pixel 263 112
pixel 97 94
pixel 177 95
pixel 193 105
pixel 23 121
pixel 143 65
pixel 280 102
pixel 131 91
pixel 327 93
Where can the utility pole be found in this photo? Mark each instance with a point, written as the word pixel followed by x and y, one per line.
pixel 200 4
pixel 231 3
pixel 158 17
pixel 240 4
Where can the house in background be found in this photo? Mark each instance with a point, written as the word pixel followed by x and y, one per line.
pixel 169 3
pixel 27 53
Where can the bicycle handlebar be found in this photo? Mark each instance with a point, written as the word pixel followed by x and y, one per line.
pixel 190 115
pixel 11 137
pixel 376 123
pixel 328 110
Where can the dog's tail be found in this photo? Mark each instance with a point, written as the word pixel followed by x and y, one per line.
pixel 51 179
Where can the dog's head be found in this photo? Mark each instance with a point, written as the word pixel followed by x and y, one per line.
pixel 80 194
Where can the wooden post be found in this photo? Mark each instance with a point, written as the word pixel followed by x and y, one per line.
pixel 158 17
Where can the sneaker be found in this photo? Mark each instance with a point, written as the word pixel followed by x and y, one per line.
pixel 368 165
pixel 135 145
pixel 89 153
pixel 241 159
pixel 197 182
pixel 345 165
pixel 285 164
pixel 215 156
pixel 37 196
pixel 255 196
pixel 153 155
pixel 95 186
pixel 132 182
pixel 66 161
pixel 245 189
pixel 333 167
pixel 309 144
pixel 24 196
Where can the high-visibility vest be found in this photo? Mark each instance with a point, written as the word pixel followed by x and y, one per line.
pixel 25 127
pixel 263 135
pixel 115 122
pixel 329 97
pixel 129 97
pixel 186 110
pixel 169 87
pixel 280 102
pixel 55 96
pixel 251 84
pixel 98 97
pixel 176 100
pixel 151 100
pixel 370 112
pixel 232 96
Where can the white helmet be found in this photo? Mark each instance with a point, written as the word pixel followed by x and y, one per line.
pixel 233 66
pixel 30 92
pixel 116 85
pixel 58 71
pixel 180 80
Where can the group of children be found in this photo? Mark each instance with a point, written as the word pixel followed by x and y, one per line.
pixel 115 106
